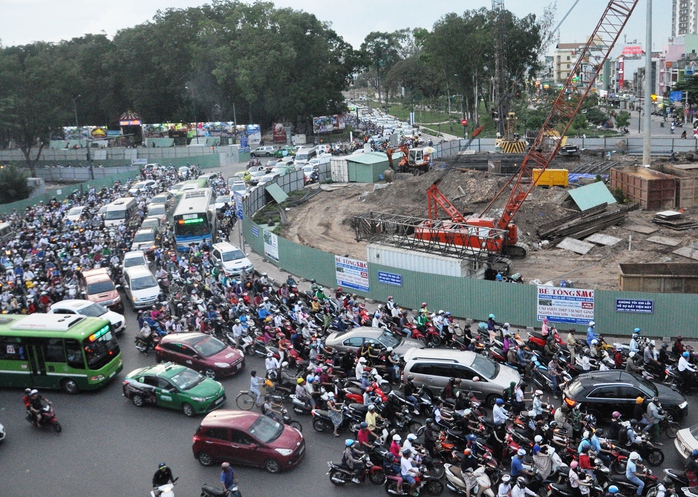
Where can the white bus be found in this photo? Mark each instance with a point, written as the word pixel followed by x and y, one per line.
pixel 195 218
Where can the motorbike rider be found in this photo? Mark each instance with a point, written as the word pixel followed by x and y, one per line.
pixel 162 476
pixel 351 459
pixel 634 363
pixel 640 414
pixel 35 406
pixel 407 470
pixel 634 345
pixel 520 489
pixel 409 390
pixel 678 347
pixel 686 371
pixel 631 472
pixel 591 333
pixel 691 468
pixel 504 489
pixel 302 393
pixel 572 345
pixel 517 467
pixel 655 416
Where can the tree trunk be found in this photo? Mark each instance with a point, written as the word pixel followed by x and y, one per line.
pixel 31 163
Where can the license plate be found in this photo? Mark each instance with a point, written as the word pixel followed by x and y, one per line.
pixel 218 401
pixel 238 366
pixel 112 374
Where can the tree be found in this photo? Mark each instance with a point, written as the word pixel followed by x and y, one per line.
pixel 380 51
pixel 622 119
pixel 14 185
pixel 690 85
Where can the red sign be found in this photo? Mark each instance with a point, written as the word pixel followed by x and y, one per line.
pixel 632 50
pixel 464 122
pixel 279 133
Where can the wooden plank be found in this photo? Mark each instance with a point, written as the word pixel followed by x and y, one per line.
pixel 689 252
pixel 646 230
pixel 602 239
pixel 665 240
pixel 576 246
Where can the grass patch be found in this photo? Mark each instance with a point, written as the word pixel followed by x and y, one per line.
pixel 269 214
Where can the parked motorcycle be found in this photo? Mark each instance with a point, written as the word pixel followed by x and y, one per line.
pixel 214 491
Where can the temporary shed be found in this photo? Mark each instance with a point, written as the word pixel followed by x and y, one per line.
pixel 368 167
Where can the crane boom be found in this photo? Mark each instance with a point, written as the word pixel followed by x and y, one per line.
pixel 564 110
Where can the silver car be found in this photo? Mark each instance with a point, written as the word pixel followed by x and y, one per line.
pixel 351 341
pixel 432 368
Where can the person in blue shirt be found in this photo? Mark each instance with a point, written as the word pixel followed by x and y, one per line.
pixel 596 445
pixel 227 476
pixel 631 472
pixel 517 468
pixel 591 333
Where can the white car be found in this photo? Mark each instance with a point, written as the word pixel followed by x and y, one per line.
pixel 239 186
pixel 90 309
pixel 141 287
pixel 135 258
pixel 145 238
pixel 230 259
pixel 183 171
pixel 686 441
pixel 74 214
pixel 267 178
pixel 222 200
pixel 142 187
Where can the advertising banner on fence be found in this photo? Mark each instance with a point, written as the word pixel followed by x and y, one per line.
pixel 351 273
pixel 237 196
pixel 328 124
pixel 271 245
pixel 565 305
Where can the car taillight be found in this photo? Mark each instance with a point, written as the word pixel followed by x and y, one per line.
pixel 570 402
pixel 195 439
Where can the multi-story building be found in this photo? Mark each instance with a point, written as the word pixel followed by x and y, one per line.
pixel 684 17
pixel 564 58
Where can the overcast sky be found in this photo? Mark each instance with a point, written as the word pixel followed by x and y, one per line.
pixel 25 21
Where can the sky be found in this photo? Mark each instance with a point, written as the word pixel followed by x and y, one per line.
pixel 26 21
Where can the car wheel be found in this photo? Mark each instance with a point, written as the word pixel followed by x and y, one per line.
pixel 188 410
pixel 137 400
pixel 272 466
pixel 491 401
pixel 205 459
pixel 210 373
pixel 69 386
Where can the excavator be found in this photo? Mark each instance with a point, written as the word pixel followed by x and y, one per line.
pixel 498 234
pixel 414 160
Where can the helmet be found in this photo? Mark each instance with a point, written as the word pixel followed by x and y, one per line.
pixel 362 360
pixel 631 355
pixel 410 378
pixel 538 439
pixel 441 311
pixel 467 452
pixel 591 323
pixel 300 380
pixel 424 304
pixel 269 354
pixel 538 392
pixel 349 442
pixel 330 395
pixel 521 452
pixel 284 364
pixel 553 424
pixel 506 325
pixel 34 392
pixel 397 437
pixel 686 354
pixel 634 456
pixel 27 391
pixel 499 401
pixel 694 453
pixel 471 437
pixel 411 437
pixel 364 424
pixel 613 489
pixel 467 412
pixel 390 297
pixel 636 330
pixel 506 478
pixel 573 465
pixel 639 400
pixel 406 452
pixel 491 316
pixel 599 432
pixel 162 465
pixel 594 342
pixel 389 350
pixel 520 480
pixel 451 380
pixel 615 415
pixel 225 465
pixel 318 370
pixel 655 399
pixel 371 407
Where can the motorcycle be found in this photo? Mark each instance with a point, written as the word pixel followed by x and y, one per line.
pixel 340 474
pixel 424 483
pixel 213 491
pixel 48 416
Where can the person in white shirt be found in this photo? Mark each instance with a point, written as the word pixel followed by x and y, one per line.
pixel 520 490
pixel 504 487
pixel 408 472
pixel 499 414
pixel 237 332
pixel 272 365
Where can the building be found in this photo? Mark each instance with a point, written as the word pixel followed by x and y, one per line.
pixel 684 17
pixel 564 58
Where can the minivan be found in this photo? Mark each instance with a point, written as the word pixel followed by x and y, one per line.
pixel 230 260
pixel 141 287
pixel 97 286
pixel 304 155
pixel 120 211
pixel 432 368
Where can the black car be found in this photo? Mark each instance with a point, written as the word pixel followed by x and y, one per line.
pixel 602 392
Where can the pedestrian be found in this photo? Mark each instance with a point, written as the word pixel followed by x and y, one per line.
pixel 227 477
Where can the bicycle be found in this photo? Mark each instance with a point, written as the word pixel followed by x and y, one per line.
pixel 246 400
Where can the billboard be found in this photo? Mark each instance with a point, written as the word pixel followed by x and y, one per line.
pixel 271 245
pixel 328 124
pixel 279 133
pixel 351 273
pixel 565 305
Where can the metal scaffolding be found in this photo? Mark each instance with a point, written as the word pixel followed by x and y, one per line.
pixel 442 237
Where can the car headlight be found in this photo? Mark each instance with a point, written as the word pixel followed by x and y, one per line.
pixel 200 399
pixel 284 452
pixel 221 364
pixel 99 377
pixel 683 405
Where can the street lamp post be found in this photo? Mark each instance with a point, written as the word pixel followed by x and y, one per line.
pixel 87 138
pixel 196 121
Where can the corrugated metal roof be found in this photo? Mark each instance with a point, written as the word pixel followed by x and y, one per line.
pixel 276 192
pixel 369 158
pixel 592 195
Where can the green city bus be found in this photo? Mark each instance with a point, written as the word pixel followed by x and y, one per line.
pixel 60 351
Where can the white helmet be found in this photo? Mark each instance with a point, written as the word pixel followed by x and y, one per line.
pixel 538 439
pixel 506 325
pixel 397 437
pixel 411 437
pixel 538 392
pixel 634 456
pixel 631 354
pixel 592 323
pixel 362 360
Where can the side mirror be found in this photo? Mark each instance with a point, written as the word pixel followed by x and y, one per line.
pixel 172 390
pixel 476 378
pixel 253 446
pixel 83 293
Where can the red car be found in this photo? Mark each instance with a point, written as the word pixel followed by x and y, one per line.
pixel 200 352
pixel 249 438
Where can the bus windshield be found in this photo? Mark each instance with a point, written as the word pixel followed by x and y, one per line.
pixel 115 214
pixel 100 350
pixel 192 227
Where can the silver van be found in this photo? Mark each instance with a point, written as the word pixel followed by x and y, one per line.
pixel 478 373
pixel 120 211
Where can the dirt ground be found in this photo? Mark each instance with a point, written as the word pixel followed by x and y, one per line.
pixel 324 222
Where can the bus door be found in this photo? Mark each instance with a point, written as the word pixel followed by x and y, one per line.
pixel 37 363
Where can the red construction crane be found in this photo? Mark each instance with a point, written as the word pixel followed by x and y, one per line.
pixel 546 145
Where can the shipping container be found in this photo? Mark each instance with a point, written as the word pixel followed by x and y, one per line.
pixel 674 277
pixel 339 170
pixel 411 260
pixel 551 177
pixel 652 189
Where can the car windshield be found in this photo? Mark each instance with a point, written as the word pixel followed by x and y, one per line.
pixel 176 186
pixel 646 386
pixel 146 236
pixel 388 339
pixel 158 199
pixel 209 346
pixel 694 431
pixel 238 187
pixel 574 388
pixel 186 379
pixel 225 199
pixel 485 367
pixel 152 222
pixel 75 211
pixel 100 351
pixel 134 261
pixel 115 214
pixel 140 185
pixel 93 310
pixel 143 282
pixel 265 429
pixel 233 255
pixel 100 287
pixel 156 210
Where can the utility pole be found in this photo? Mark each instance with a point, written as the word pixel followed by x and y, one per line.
pixel 647 137
pixel 499 87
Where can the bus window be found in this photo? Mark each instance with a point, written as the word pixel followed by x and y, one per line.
pixel 101 350
pixel 12 348
pixel 74 352
pixel 54 351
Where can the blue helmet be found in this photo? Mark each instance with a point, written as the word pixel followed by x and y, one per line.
pixel 471 437
pixel 686 354
pixel 491 316
pixel 613 489
pixel 636 330
pixel 499 401
pixel 349 442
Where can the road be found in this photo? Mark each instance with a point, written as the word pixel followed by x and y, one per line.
pixel 110 448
